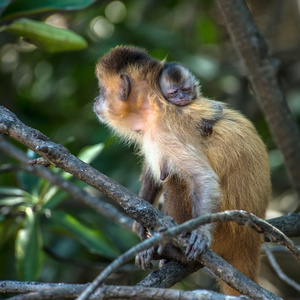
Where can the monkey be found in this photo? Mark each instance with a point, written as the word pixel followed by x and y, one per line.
pixel 180 87
pixel 194 173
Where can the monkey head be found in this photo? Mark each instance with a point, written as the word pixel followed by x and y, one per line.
pixel 178 85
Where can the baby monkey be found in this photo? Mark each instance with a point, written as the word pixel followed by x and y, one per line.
pixel 180 87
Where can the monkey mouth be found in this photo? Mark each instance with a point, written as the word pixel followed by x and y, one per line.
pixel 182 102
pixel 98 113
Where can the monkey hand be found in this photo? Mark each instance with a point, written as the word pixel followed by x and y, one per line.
pixel 207 129
pixel 143 259
pixel 199 241
pixel 142 231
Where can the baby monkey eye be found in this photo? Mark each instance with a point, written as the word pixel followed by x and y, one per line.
pixel 186 89
pixel 173 92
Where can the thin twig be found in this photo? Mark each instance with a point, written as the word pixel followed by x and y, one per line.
pixel 278 270
pixel 39 161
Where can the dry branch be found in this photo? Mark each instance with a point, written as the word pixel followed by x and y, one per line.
pixel 262 71
pixel 38 290
pixel 279 271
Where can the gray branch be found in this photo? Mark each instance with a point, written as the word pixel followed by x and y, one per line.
pixel 262 71
pixel 279 271
pixel 39 290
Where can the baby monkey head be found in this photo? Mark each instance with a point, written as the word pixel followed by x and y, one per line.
pixel 178 85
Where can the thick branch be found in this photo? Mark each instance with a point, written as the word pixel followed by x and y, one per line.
pixel 169 274
pixel 38 290
pixel 289 224
pixel 262 72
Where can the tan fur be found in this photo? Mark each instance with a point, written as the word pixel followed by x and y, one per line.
pixel 226 170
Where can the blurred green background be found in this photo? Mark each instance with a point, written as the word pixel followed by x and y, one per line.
pixel 54 91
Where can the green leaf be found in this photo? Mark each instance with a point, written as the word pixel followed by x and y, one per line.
pixel 95 240
pixel 11 200
pixel 55 200
pixel 28 248
pixel 12 191
pixel 29 7
pixel 16 196
pixel 89 153
pixel 49 38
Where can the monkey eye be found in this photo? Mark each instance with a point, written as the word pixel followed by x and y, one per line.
pixel 186 89
pixel 172 92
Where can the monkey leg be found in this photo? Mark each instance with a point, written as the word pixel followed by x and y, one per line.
pixel 239 246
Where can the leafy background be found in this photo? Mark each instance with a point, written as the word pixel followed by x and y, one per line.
pixel 48 51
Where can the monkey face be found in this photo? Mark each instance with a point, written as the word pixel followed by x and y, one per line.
pixel 117 102
pixel 178 85
pixel 179 95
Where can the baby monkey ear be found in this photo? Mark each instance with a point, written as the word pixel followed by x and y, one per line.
pixel 126 87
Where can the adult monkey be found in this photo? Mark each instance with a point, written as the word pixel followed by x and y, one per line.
pixel 198 174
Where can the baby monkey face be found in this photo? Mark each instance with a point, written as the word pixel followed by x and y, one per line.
pixel 178 85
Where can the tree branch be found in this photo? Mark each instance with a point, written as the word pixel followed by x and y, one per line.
pixel 289 224
pixel 262 71
pixel 38 290
pixel 279 271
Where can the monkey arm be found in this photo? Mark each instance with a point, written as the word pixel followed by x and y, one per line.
pixel 149 192
pixel 204 196
pixel 149 189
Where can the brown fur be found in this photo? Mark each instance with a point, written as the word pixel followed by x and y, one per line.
pixel 225 170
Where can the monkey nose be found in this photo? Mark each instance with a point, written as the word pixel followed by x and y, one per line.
pixel 96 99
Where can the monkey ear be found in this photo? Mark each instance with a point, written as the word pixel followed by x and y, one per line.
pixel 126 87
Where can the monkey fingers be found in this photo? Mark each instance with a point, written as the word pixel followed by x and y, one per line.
pixel 207 128
pixel 143 259
pixel 142 231
pixel 198 242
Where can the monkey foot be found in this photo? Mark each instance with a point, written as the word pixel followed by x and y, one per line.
pixel 143 259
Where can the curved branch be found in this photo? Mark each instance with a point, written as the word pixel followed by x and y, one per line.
pixel 279 271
